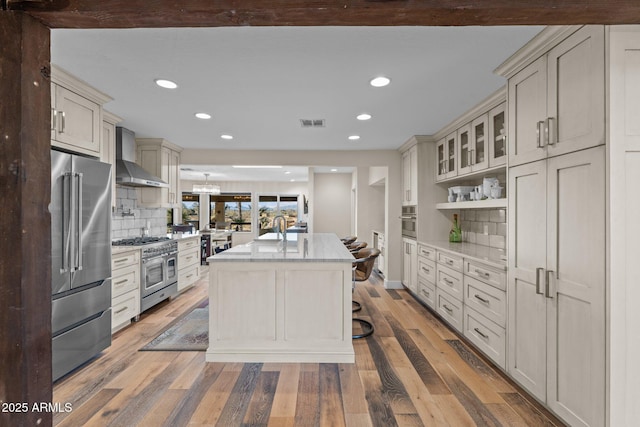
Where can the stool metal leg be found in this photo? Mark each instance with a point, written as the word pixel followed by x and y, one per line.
pixel 367 329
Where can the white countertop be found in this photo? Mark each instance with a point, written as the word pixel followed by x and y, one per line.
pixel 115 250
pixel 491 256
pixel 299 247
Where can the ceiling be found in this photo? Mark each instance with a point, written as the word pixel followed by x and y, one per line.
pixel 257 83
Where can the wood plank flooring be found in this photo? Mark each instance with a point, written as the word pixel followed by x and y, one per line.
pixel 414 371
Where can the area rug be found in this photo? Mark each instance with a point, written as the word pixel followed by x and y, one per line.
pixel 188 333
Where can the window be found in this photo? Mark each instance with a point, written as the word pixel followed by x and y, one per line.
pixel 191 210
pixel 269 206
pixel 231 211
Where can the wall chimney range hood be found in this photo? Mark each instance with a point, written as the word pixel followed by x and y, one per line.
pixel 128 172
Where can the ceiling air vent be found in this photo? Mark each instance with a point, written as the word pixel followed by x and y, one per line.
pixel 312 123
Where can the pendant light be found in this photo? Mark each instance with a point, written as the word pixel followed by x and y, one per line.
pixel 206 188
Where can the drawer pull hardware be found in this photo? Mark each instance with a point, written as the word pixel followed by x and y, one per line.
pixel 481 334
pixel 449 261
pixel 121 282
pixel 125 308
pixel 447 281
pixel 426 270
pixel 486 301
pixel 446 307
pixel 189 276
pixel 483 273
pixel 120 260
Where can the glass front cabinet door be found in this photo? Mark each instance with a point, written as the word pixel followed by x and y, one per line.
pixel 464 149
pixel 446 157
pixel 497 136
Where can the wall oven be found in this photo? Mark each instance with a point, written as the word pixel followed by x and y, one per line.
pixel 409 228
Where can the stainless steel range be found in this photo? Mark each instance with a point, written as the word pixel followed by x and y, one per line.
pixel 159 272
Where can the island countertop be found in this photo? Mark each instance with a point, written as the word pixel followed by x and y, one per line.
pixel 299 247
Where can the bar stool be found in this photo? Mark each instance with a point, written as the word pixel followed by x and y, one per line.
pixel 362 268
pixel 348 240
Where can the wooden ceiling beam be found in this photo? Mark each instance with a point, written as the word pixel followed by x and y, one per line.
pixel 225 13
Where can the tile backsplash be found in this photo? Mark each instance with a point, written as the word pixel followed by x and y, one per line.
pixel 128 225
pixel 486 227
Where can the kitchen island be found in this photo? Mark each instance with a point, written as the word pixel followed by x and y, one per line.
pixel 274 300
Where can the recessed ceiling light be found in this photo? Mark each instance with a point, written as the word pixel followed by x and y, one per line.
pixel 363 116
pixel 225 136
pixel 354 137
pixel 380 81
pixel 334 170
pixel 203 116
pixel 287 172
pixel 167 84
pixel 256 167
pixel 292 180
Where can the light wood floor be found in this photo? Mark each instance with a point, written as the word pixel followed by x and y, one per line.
pixel 413 371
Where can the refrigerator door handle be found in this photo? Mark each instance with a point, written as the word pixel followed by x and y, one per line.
pixel 79 220
pixel 67 183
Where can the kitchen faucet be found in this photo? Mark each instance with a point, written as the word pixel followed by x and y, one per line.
pixel 284 226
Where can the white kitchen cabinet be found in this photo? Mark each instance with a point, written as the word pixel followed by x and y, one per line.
pixel 427 275
pixel 410 177
pixel 162 159
pixel 76 114
pixel 446 154
pixel 410 264
pixel 497 136
pixel 472 145
pixel 108 148
pixel 556 103
pixel 125 288
pixel 188 262
pixel 556 330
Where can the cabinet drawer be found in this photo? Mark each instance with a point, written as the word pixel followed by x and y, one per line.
pixel 124 308
pixel 188 244
pixel 188 257
pixel 451 281
pixel 127 279
pixel 124 260
pixel 486 274
pixel 449 308
pixel 450 260
pixel 427 269
pixel 427 292
pixel 486 335
pixel 486 300
pixel 188 276
pixel 427 252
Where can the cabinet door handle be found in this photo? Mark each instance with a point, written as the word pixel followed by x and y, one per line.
pixel 472 162
pixel 481 334
pixel 551 131
pixel 547 285
pixel 538 271
pixel 62 121
pixel 486 301
pixel 54 114
pixel 539 132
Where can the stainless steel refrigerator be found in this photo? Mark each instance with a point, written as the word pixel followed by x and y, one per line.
pixel 80 259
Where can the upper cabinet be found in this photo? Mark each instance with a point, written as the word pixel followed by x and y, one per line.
pixel 108 147
pixel 410 176
pixel 473 142
pixel 76 114
pixel 162 159
pixel 556 103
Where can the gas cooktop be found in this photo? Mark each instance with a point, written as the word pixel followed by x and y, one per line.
pixel 139 241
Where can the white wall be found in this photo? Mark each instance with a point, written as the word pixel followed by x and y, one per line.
pixel 332 203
